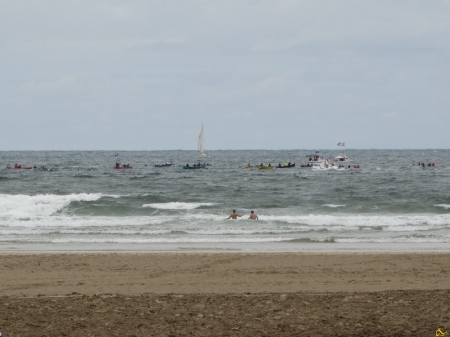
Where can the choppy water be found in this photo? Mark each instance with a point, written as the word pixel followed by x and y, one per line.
pixel 84 204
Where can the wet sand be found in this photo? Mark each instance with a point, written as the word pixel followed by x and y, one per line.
pixel 225 294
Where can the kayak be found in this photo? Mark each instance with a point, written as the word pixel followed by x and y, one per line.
pixel 249 166
pixel 195 166
pixel 265 167
pixel 163 165
pixel 43 168
pixel 20 168
pixel 122 168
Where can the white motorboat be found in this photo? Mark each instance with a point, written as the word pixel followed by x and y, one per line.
pixel 314 159
pixel 342 158
pixel 327 165
pixel 322 165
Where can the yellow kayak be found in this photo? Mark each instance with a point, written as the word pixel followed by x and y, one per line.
pixel 265 167
pixel 249 166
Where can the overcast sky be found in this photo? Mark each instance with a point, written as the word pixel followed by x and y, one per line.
pixel 145 75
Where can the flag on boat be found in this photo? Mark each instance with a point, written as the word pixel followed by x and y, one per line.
pixel 339 144
pixel 317 152
pixel 343 144
pixel 116 156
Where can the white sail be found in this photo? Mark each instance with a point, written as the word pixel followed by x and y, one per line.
pixel 200 143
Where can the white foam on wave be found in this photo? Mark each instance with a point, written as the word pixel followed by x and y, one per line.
pixel 332 222
pixel 41 211
pixel 333 205
pixel 170 240
pixel 396 239
pixel 41 205
pixel 369 220
pixel 178 205
pixel 139 226
pixel 56 222
pixel 205 226
pixel 445 206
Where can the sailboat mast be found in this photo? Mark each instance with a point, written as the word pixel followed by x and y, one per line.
pixel 200 141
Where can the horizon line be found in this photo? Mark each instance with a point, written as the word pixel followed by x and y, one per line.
pixel 311 149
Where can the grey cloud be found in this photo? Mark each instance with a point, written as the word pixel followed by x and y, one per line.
pixel 95 68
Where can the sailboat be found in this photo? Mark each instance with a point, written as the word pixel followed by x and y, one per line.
pixel 200 144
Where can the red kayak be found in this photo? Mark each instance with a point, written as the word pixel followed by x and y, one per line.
pixel 20 168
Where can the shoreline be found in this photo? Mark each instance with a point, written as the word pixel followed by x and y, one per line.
pixel 271 247
pixel 218 252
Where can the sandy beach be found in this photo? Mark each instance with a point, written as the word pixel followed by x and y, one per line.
pixel 228 294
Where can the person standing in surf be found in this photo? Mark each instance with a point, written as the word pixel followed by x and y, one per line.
pixel 253 216
pixel 234 215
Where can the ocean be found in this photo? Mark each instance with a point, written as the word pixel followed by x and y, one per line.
pixel 83 204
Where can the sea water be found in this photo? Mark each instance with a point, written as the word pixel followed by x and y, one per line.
pixel 82 203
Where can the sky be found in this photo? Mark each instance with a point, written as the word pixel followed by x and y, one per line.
pixel 146 75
